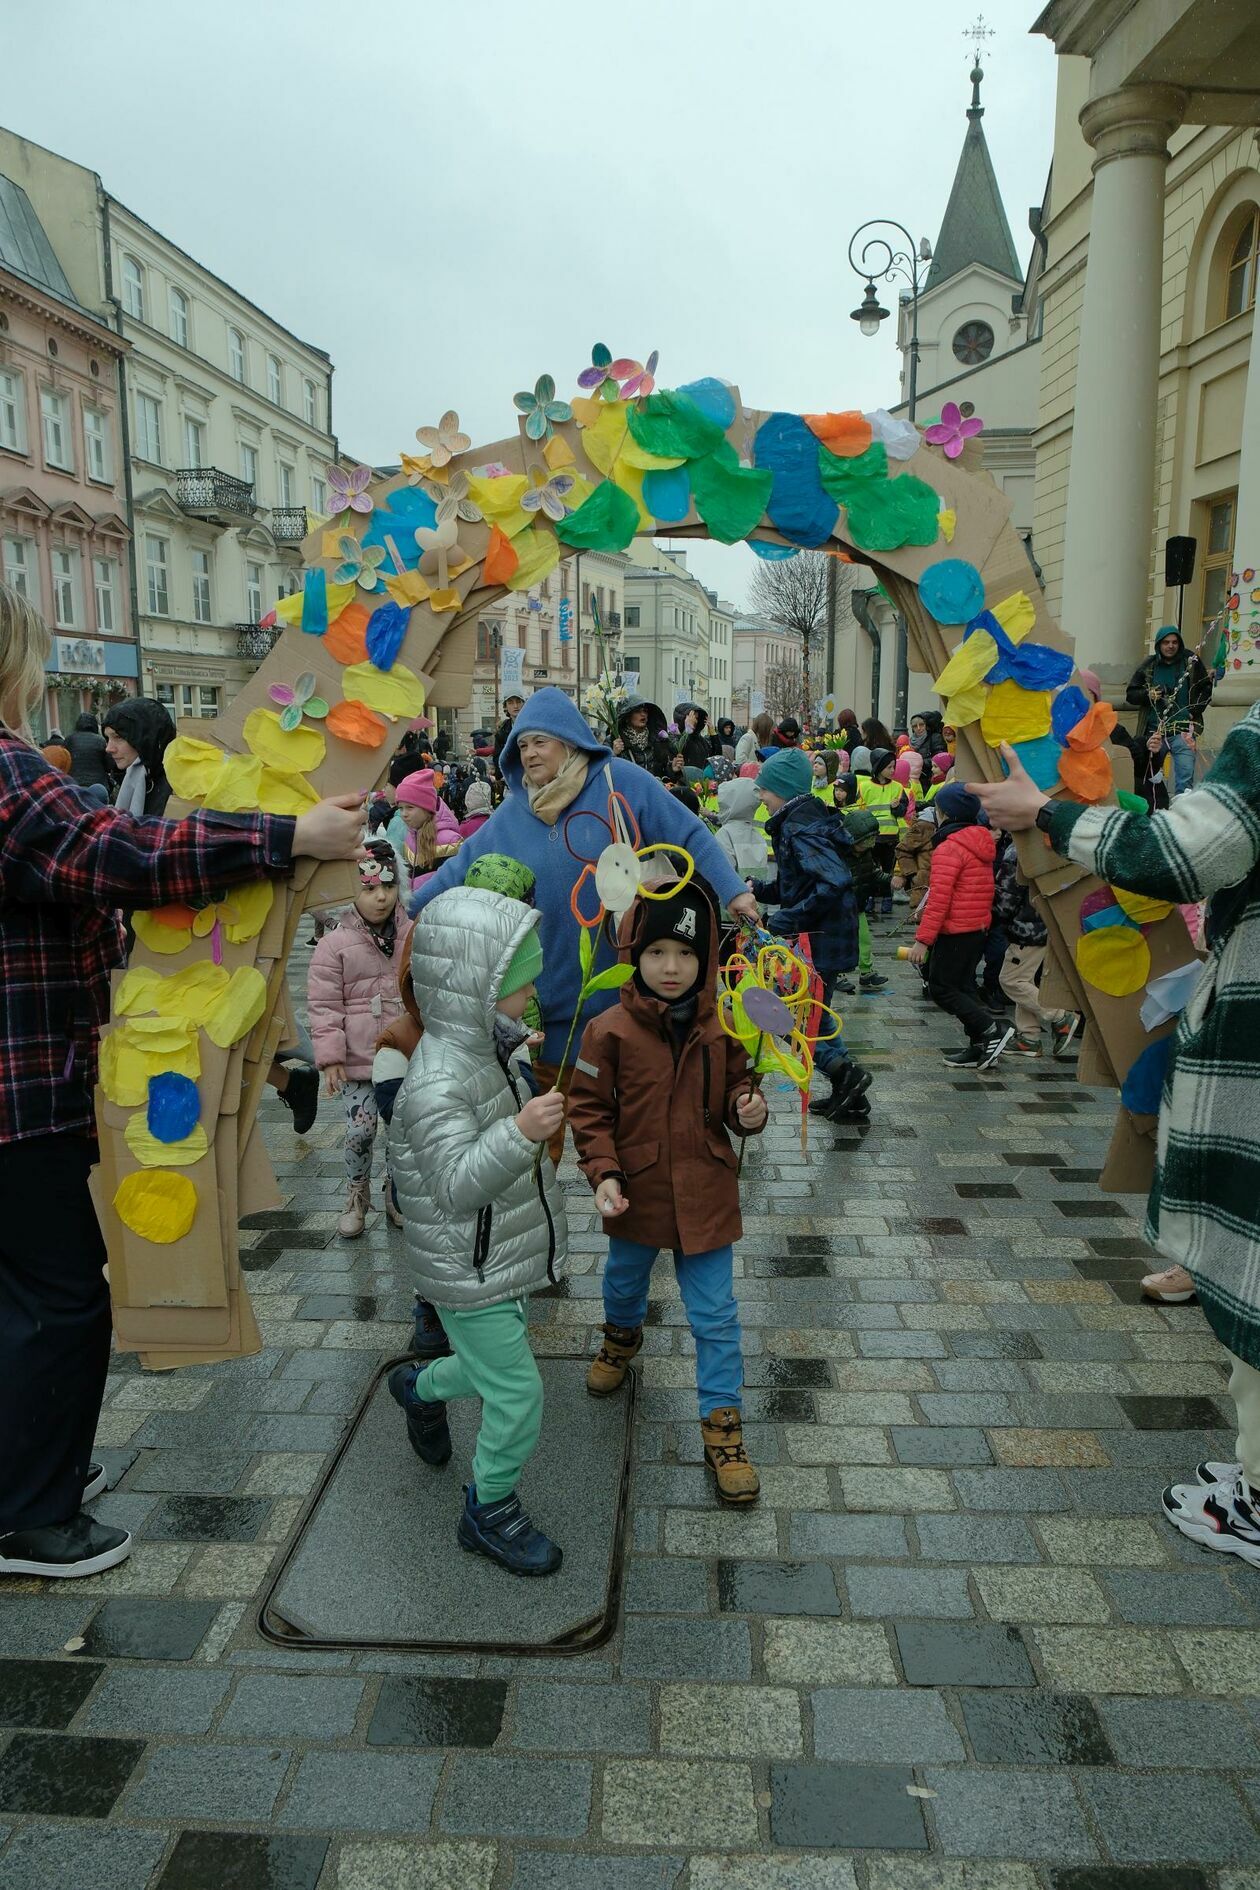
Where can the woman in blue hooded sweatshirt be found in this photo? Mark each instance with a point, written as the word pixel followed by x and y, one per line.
pixel 555 767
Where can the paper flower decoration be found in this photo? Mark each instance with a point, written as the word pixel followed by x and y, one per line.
pixel 347 488
pixel 951 431
pixel 297 701
pixel 604 374
pixel 541 409
pixel 547 495
pixel 360 564
pixel 444 441
pixel 453 500
pixel 642 380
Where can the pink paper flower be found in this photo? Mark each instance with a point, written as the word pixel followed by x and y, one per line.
pixel 951 431
pixel 348 488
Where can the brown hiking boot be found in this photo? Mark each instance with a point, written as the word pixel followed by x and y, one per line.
pixel 612 1361
pixel 724 1453
pixel 353 1220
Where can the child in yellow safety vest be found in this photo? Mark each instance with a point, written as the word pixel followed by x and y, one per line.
pixel 878 793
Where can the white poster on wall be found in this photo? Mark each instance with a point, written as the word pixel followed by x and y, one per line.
pixel 511 668
pixel 756 703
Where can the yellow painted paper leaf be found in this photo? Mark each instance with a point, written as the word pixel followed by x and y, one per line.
pixel 154 1154
pixel 192 766
pixel 1013 714
pixel 407 588
pixel 440 602
pixel 282 793
pixel 337 597
pixel 967 706
pixel 1140 907
pixel 398 691
pixel 191 993
pixel 947 519
pixel 329 547
pixel 1114 958
pixel 244 911
pixel 539 553
pixel 293 750
pixel 969 664
pixel 157 1206
pixel 500 501
pixel 289 609
pixel 1016 614
pixel 163 939
pixel 239 1008
pixel 558 453
pixel 602 441
pixel 236 788
pixel 123 1071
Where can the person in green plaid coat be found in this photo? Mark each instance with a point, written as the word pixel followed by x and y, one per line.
pixel 1204 1207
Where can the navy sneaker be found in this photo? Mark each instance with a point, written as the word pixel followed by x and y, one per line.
pixel 427 1429
pixel 429 1340
pixel 504 1532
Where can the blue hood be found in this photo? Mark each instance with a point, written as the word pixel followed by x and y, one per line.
pixel 549 712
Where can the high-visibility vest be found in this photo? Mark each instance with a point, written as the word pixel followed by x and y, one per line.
pixel 879 801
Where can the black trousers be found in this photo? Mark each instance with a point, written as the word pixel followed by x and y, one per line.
pixel 951 969
pixel 54 1328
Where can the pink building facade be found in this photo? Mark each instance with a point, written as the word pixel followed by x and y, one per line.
pixel 64 542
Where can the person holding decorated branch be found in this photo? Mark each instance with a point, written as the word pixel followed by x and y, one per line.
pixel 66 865
pixel 558 771
pixel 483 1212
pixel 1204 1206
pixel 1172 688
pixel 656 1088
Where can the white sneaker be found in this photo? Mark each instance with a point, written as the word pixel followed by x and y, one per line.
pixel 994 1044
pixel 1210 1473
pixel 1220 1516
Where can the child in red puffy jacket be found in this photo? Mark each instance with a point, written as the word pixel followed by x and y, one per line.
pixel 954 922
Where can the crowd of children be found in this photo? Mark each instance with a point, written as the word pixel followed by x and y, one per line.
pixel 430 1028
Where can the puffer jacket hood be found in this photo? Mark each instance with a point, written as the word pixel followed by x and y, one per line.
pixel 483 1215
pixel 656 716
pixel 146 725
pixel 738 800
pixel 683 709
pixel 548 712
pixel 740 836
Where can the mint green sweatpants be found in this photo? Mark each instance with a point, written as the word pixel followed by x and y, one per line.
pixel 493 1362
pixel 865 961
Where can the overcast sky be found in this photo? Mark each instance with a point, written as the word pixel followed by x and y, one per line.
pixel 453 199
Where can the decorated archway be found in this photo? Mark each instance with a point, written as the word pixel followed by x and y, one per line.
pixel 384 627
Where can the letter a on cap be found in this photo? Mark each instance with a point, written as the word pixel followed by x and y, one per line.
pixel 686 926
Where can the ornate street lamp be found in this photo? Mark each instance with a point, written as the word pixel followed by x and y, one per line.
pixel 879 257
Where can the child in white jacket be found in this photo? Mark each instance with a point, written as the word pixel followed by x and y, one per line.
pixel 739 836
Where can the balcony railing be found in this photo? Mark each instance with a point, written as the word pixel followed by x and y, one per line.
pixel 205 492
pixel 288 523
pixel 253 642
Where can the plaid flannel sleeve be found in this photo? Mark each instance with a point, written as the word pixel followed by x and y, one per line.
pixel 58 848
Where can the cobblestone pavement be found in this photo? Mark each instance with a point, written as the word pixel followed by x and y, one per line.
pixel 954 1646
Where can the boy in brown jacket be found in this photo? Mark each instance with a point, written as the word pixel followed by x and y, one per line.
pixel 656 1087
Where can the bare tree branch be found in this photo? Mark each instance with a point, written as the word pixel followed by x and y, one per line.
pixel 793 592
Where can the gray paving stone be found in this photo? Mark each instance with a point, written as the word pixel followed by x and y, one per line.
pixel 489 1796
pixel 850 1538
pixel 909 1591
pixel 1180 1600
pixel 233 1783
pixel 947 1445
pixel 293 1706
pixel 659 1649
pixel 153 1699
pixel 43 1855
pixel 363 1791
pixel 959 1407
pixel 552 1717
pixel 1174 1818
pixel 553 1870
pixel 1009 1813
pixel 657 1584
pixel 41 1625
pixel 1011 1489
pixel 883 1726
pixel 975 1539
pixel 1180 1733
pixel 208 1472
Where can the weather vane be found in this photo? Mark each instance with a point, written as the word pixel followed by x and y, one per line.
pixel 977 34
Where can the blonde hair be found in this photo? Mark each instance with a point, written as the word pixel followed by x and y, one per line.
pixel 25 641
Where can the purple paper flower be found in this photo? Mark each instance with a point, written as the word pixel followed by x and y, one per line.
pixel 349 488
pixel 602 376
pixel 951 431
pixel 643 380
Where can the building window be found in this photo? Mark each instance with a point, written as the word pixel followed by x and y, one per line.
pixel 1240 275
pixel 149 428
pixel 487 640
pixel 12 412
pixel 156 555
pixel 249 464
pixel 178 305
pixel 100 458
pixel 275 389
pixel 133 287
pixel 19 568
pixel 309 409
pixel 286 476
pixel 973 343
pixel 54 411
pixel 65 570
pixel 253 592
pixel 184 699
pixel 236 354
pixel 319 496
pixel 207 702
pixel 194 442
pixel 201 587
pixel 632 616
pixel 104 580
pixel 1216 531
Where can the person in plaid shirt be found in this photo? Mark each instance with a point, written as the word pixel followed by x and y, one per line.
pixel 66 866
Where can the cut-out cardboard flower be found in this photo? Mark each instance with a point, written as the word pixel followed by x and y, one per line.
pixel 643 379
pixel 541 409
pixel 547 495
pixel 951 432
pixel 453 500
pixel 444 442
pixel 348 488
pixel 360 563
pixel 298 701
pixel 604 374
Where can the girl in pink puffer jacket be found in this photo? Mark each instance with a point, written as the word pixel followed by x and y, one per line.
pixel 352 995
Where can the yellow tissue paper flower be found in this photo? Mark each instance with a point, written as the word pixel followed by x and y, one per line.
pixel 192 767
pixel 970 664
pixel 398 691
pixel 159 1207
pixel 237 787
pixel 191 993
pixel 1013 714
pixel 1142 909
pixel 145 1047
pixel 967 706
pixel 151 1153
pixel 539 553
pixel 1016 614
pixel 164 939
pixel 243 912
pixel 283 793
pixel 292 750
pixel 239 1007
pixel 124 1072
pixel 1114 958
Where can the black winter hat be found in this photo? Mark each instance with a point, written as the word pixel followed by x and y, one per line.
pixel 881 758
pixel 687 918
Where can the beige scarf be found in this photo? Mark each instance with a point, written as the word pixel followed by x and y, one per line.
pixel 548 802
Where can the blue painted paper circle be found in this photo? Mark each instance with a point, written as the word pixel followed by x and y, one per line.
pixel 174 1107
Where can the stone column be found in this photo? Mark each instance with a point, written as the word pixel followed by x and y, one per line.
pixel 1239 687
pixel 1111 482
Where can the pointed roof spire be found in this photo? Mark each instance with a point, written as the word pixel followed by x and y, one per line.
pixel 974 228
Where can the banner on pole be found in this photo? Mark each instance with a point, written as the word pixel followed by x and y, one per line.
pixel 511 668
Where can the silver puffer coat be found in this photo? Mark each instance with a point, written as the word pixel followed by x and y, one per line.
pixel 484 1219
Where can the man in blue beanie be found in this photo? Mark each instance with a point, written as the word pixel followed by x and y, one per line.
pixel 814 888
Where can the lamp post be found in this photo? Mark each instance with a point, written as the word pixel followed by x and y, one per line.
pixel 879 257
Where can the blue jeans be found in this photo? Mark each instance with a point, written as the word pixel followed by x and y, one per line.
pixel 1182 762
pixel 829 1055
pixel 709 1297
